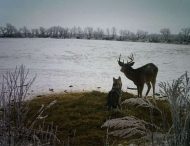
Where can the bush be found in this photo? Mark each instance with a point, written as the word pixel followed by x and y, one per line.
pixel 16 127
pixel 177 94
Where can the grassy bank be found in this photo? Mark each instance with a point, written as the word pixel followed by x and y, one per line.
pixel 82 114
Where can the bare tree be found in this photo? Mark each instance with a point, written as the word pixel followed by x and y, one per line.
pixel 11 30
pixel 154 38
pixel 42 32
pixel 185 35
pixel 80 33
pixel 35 32
pixel 73 32
pixel 107 35
pixel 2 31
pixel 124 34
pixel 65 32
pixel 52 32
pixel 25 32
pixel 61 31
pixel 165 34
pixel 88 32
pixel 16 126
pixel 98 34
pixel 141 35
pixel 113 33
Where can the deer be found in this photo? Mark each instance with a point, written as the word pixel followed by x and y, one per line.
pixel 143 75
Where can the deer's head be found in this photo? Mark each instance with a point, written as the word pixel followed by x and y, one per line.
pixel 125 67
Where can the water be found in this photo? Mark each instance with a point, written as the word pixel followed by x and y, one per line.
pixel 88 64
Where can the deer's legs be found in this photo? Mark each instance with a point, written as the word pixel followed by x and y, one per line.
pixel 141 89
pixel 153 87
pixel 138 91
pixel 149 86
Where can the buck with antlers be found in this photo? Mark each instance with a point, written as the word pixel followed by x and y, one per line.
pixel 145 74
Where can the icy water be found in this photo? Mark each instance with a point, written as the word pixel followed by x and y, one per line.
pixel 88 64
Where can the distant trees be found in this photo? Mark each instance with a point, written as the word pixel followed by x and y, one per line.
pixel 126 35
pixel 185 35
pixel 42 31
pixel 9 30
pixel 113 33
pixel 2 31
pixel 24 32
pixel 141 35
pixel 99 34
pixel 155 38
pixel 165 36
pixel 88 31
pixel 107 34
pixel 165 32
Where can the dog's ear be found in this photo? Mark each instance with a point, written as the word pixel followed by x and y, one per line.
pixel 119 78
pixel 114 80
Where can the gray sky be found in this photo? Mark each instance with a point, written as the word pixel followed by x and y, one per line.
pixel 149 15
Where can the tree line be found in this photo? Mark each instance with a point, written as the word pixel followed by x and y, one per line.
pixel 164 36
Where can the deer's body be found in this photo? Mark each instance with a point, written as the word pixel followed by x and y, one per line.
pixel 143 75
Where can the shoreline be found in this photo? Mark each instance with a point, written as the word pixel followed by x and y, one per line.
pixel 85 113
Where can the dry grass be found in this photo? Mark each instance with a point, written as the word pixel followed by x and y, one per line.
pixel 85 112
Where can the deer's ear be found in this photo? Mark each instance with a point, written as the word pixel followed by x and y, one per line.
pixel 113 79
pixel 119 78
pixel 132 63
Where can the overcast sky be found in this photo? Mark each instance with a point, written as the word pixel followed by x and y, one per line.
pixel 149 15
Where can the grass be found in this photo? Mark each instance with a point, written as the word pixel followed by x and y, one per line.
pixel 85 112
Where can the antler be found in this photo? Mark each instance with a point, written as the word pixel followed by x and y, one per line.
pixel 131 57
pixel 119 62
